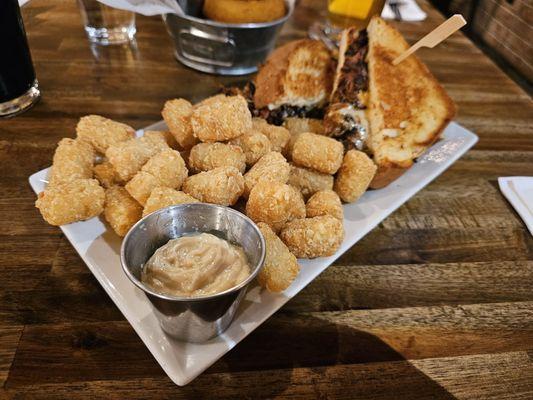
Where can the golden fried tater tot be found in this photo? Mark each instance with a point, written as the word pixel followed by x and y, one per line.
pixel 221 119
pixel 280 268
pixel 121 210
pixel 162 197
pixel 106 175
pixel 207 156
pixel 177 115
pixel 71 202
pixel 141 185
pixel 128 157
pixel 102 132
pixel 222 185
pixel 301 125
pixel 167 137
pixel 166 169
pixel 324 202
pixel 272 167
pixel 254 144
pixel 73 159
pixel 309 181
pixel 274 203
pixel 321 153
pixel 354 176
pixel 313 237
pixel 279 136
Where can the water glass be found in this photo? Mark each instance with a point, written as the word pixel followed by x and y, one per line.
pixel 106 25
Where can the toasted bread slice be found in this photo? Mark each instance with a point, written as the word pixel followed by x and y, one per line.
pixel 407 107
pixel 299 74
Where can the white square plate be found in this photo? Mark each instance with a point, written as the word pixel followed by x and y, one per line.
pixel 99 247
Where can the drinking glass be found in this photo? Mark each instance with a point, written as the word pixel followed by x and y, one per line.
pixel 106 25
pixel 343 14
pixel 18 87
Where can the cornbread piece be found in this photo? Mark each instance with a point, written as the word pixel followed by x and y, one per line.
pixel 71 202
pixel 177 116
pixel 207 156
pixel 272 167
pixel 102 132
pixel 354 176
pixel 254 144
pixel 240 12
pixel 274 203
pixel 407 107
pixel 166 169
pixel 301 125
pixel 313 237
pixel 280 268
pixel 162 197
pixel 128 157
pixel 321 153
pixel 106 175
pixel 222 185
pixel 221 119
pixel 121 210
pixel 309 181
pixel 167 137
pixel 279 137
pixel 324 202
pixel 73 159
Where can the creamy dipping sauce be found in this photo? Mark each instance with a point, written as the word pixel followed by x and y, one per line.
pixel 195 265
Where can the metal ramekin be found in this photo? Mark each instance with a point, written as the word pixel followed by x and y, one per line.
pixel 192 319
pixel 221 48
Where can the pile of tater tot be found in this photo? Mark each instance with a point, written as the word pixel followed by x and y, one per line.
pixel 290 180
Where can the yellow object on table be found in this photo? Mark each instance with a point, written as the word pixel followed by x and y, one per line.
pixel 351 8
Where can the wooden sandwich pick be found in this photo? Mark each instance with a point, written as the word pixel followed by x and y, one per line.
pixel 433 38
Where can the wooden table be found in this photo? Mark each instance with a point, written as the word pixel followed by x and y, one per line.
pixel 437 302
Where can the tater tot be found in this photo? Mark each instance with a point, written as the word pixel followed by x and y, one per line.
pixel 254 144
pixel 272 167
pixel 166 136
pixel 128 157
pixel 166 169
pixel 324 202
pixel 73 159
pixel 102 132
pixel 162 197
pixel 354 176
pixel 280 268
pixel 221 119
pixel 177 115
pixel 207 156
pixel 313 237
pixel 275 204
pixel 141 185
pixel 321 153
pixel 121 210
pixel 222 185
pixel 71 202
pixel 106 175
pixel 279 137
pixel 301 125
pixel 309 181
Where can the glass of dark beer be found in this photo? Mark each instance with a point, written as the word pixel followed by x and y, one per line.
pixel 18 87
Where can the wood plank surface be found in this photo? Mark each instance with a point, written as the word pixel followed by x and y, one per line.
pixel 435 303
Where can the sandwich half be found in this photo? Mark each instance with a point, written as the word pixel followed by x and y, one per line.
pixel 295 81
pixel 394 112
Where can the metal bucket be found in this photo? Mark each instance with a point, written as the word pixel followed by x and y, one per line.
pixel 220 48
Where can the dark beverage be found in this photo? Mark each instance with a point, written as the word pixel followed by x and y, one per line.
pixel 18 87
